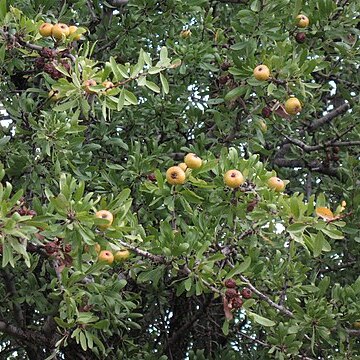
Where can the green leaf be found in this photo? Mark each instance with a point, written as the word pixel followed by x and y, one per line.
pixel 164 84
pixel 3 9
pixel 260 319
pixel 333 233
pixel 152 86
pixel 239 268
pixel 234 93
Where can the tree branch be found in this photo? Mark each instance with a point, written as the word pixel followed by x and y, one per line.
pixel 329 116
pixel 143 253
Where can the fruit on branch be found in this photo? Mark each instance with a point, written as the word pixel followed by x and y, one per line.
pixel 356 324
pixel 151 177
pixel 105 215
pixel 300 37
pixel 183 166
pixel 231 293
pixel 87 84
pixel 122 255
pixel 97 247
pixel 107 85
pixel 276 184
pixel 225 65
pixel 67 248
pixel 237 303
pixel 262 73
pixel 106 256
pixel 246 293
pixel 51 247
pixel 230 283
pixel 60 31
pixel 184 34
pixel 72 30
pixel 45 29
pixel 175 175
pixel 293 106
pixel 54 95
pixel 192 161
pixel 233 178
pixel 302 21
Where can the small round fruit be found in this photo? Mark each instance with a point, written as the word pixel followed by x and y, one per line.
pixel 45 29
pixel 107 85
pixel 185 34
pixel 231 293
pixel 293 106
pixel 72 30
pixel 97 247
pixel 59 31
pixel 276 184
pixel 356 324
pixel 87 84
pixel 192 161
pixel 266 112
pixel 246 293
pixel 175 175
pixel 234 178
pixel 106 215
pixel 106 256
pixel 237 303
pixel 122 255
pixel 262 73
pixel 300 37
pixel 302 21
pixel 183 166
pixel 230 283
pixel 54 95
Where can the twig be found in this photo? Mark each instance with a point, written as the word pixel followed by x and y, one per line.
pixel 143 253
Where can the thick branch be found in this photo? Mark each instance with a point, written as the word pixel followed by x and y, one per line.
pixel 28 335
pixel 330 116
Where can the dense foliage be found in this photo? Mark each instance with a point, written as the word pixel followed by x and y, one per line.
pixel 97 117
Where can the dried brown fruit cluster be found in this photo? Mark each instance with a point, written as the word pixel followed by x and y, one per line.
pixel 233 296
pixel 49 60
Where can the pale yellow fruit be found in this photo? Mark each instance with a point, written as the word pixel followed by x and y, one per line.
pixel 192 161
pixel 262 73
pixel 45 29
pixel 185 34
pixel 106 256
pixel 60 31
pixel 106 215
pixel 183 166
pixel 234 178
pixel 293 106
pixel 175 175
pixel 87 84
pixel 72 30
pixel 276 184
pixel 302 21
pixel 122 255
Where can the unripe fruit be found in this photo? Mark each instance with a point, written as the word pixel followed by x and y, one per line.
pixel 276 184
pixel 122 255
pixel 97 247
pixel 106 256
pixel 300 37
pixel 231 293
pixel 262 73
pixel 237 303
pixel 60 31
pixel 185 34
pixel 230 283
pixel 72 30
pixel 246 293
pixel 106 215
pixel 234 178
pixel 183 166
pixel 54 95
pixel 302 21
pixel 192 161
pixel 175 175
pixel 87 84
pixel 45 29
pixel 293 106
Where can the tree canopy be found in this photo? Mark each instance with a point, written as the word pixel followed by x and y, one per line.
pixel 114 244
